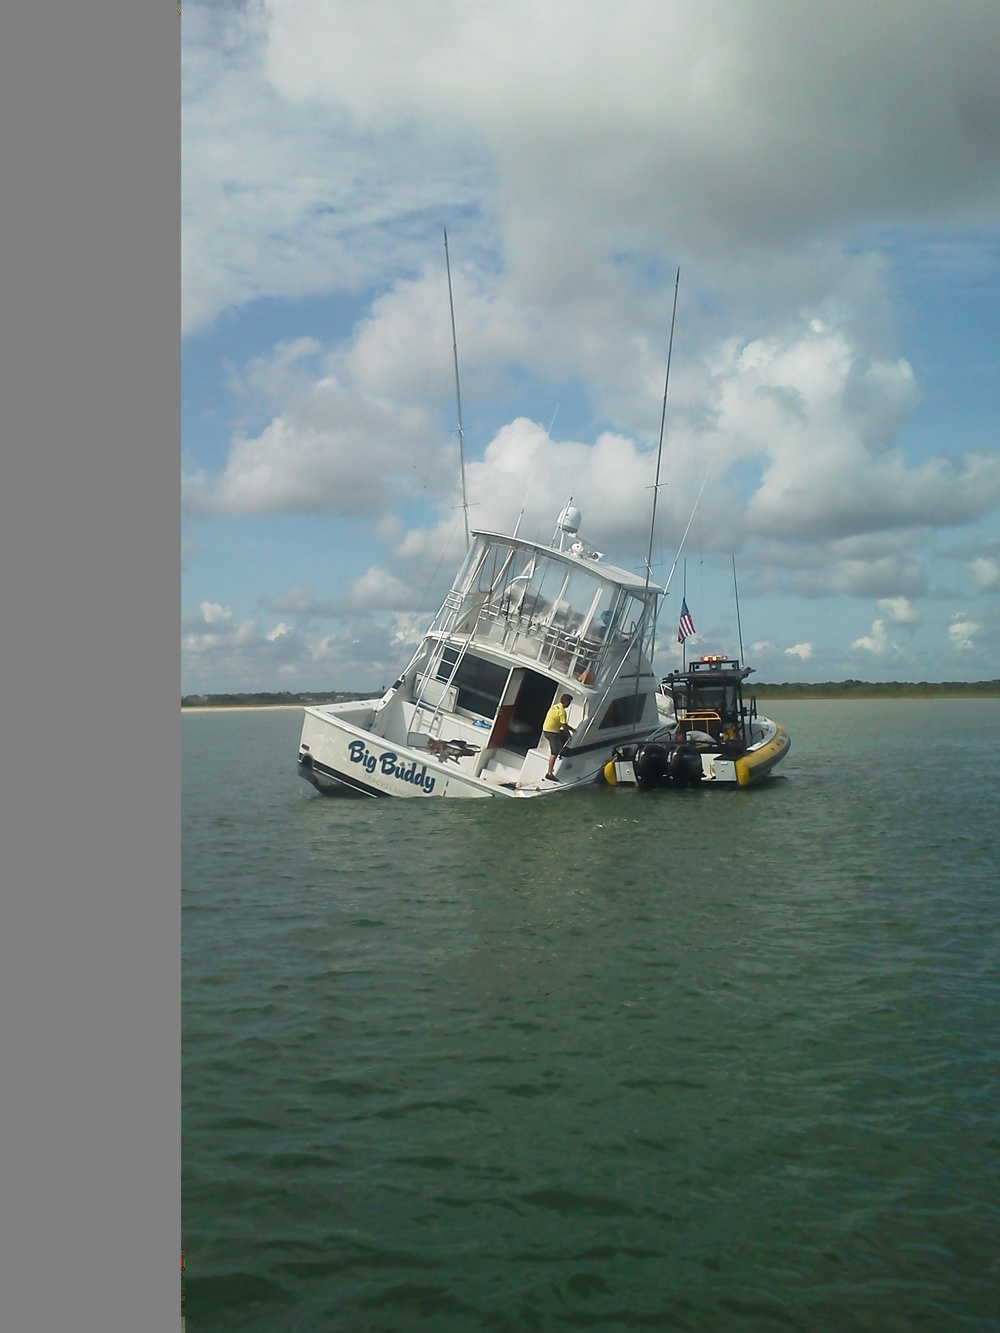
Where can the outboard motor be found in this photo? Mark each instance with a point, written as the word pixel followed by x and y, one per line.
pixel 673 764
pixel 684 766
pixel 651 765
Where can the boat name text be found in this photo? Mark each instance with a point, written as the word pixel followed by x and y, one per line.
pixel 389 766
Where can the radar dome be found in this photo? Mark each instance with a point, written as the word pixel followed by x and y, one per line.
pixel 569 520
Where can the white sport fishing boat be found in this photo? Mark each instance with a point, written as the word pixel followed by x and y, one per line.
pixel 714 738
pixel 523 624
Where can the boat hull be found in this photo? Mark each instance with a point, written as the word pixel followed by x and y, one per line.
pixel 343 759
pixel 663 765
pixel 341 755
pixel 756 765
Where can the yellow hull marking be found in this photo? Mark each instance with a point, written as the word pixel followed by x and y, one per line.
pixel 754 766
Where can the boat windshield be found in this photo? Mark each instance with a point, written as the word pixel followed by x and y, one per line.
pixel 709 702
pixel 573 610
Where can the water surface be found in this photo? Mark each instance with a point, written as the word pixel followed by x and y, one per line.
pixel 705 1060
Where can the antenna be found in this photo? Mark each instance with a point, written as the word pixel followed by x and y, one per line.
pixel 458 391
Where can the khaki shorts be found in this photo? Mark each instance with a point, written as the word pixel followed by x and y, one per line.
pixel 556 740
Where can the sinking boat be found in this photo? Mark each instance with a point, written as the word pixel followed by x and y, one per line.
pixel 714 738
pixel 523 624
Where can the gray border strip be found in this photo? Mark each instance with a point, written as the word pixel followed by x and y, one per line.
pixel 90 932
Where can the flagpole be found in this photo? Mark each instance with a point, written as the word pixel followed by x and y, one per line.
pixel 684 593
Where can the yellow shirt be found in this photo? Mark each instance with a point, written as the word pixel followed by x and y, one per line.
pixel 555 718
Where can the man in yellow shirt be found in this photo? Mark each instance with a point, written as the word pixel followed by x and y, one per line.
pixel 557 731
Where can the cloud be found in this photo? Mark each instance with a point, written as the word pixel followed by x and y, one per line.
pixel 741 133
pixel 877 642
pixel 352 429
pixel 899 611
pixel 792 164
pixel 962 632
pixel 819 417
pixel 221 652
pixel 282 199
pixel 711 123
pixel 985 573
pixel 330 446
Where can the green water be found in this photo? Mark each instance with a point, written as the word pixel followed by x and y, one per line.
pixel 711 1060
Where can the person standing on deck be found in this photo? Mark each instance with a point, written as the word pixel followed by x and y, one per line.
pixel 557 731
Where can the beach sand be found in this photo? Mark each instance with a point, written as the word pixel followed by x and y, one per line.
pixel 240 708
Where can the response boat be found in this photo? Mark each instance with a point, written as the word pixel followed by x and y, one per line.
pixel 524 622
pixel 714 737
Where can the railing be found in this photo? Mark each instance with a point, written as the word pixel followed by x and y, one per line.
pixel 552 646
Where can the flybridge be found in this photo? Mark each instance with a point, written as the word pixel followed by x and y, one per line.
pixel 573 614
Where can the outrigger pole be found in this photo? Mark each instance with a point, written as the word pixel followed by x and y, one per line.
pixel 458 392
pixel 659 458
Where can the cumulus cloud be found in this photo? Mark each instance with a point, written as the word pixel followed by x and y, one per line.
pixel 232 654
pixel 721 125
pixel 354 428
pixel 962 632
pixel 279 199
pixel 877 642
pixel 331 445
pixel 820 419
pixel 899 611
pixel 584 154
pixel 985 573
pixel 736 131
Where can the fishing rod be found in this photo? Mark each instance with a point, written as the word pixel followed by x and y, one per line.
pixel 458 391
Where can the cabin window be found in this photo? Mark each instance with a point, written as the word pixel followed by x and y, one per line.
pixel 709 699
pixel 624 711
pixel 449 656
pixel 480 685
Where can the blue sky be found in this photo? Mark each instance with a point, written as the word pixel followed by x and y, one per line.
pixel 827 179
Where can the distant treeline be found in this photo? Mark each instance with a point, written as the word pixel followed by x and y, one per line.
pixel 263 699
pixel 865 689
pixel 830 689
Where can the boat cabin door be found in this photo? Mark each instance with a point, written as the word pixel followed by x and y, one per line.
pixel 526 700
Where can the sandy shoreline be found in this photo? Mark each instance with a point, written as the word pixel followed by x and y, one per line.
pixel 240 708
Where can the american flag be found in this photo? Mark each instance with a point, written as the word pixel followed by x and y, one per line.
pixel 686 627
